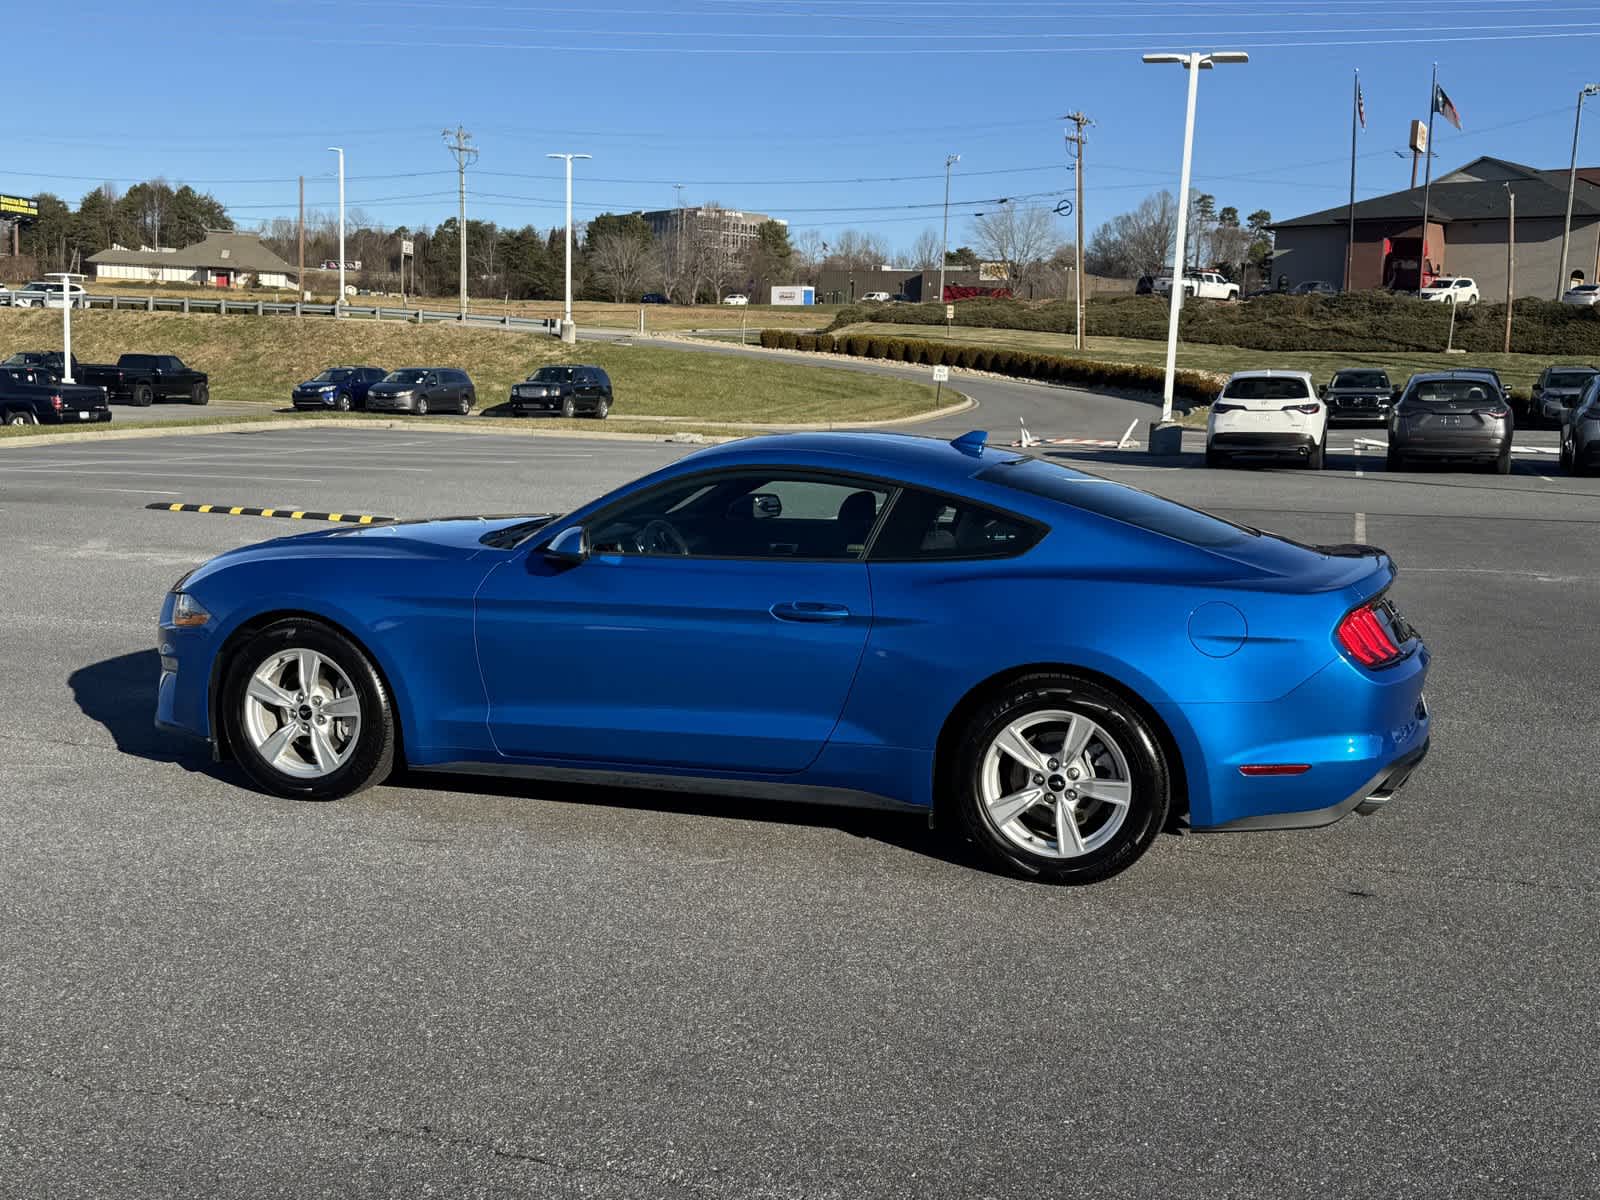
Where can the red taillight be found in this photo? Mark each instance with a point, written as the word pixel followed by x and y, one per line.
pixel 1310 410
pixel 55 403
pixel 1221 407
pixel 1366 638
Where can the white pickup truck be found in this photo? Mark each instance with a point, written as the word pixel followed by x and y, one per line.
pixel 1202 285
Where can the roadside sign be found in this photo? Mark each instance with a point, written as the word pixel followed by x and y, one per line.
pixel 949 312
pixel 406 246
pixel 24 207
pixel 941 374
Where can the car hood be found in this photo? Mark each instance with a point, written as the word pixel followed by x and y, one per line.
pixel 434 539
pixel 389 389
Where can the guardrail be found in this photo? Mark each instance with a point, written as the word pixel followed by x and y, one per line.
pixel 277 308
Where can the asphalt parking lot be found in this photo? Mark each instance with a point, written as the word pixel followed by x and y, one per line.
pixel 479 990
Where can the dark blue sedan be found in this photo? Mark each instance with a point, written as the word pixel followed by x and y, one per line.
pixel 1053 664
pixel 338 389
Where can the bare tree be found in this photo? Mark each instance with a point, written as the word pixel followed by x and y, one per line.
pixel 621 263
pixel 1138 242
pixel 925 251
pixel 717 255
pixel 808 255
pixel 1021 238
pixel 853 250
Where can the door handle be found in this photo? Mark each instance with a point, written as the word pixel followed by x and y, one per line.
pixel 809 610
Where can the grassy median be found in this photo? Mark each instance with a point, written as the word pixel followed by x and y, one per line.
pixel 1517 370
pixel 259 359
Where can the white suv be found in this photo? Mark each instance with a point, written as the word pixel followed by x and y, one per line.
pixel 1262 414
pixel 48 294
pixel 1455 290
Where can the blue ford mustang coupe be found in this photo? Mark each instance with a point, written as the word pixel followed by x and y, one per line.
pixel 1053 664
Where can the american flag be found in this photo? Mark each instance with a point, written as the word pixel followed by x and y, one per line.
pixel 1361 106
pixel 1445 107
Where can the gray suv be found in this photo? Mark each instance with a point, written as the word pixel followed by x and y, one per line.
pixel 423 390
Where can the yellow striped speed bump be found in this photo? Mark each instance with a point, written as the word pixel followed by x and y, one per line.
pixel 287 514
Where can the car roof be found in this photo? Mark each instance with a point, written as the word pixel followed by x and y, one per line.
pixel 928 460
pixel 1270 374
pixel 1462 373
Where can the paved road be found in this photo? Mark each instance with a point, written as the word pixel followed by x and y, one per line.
pixel 447 988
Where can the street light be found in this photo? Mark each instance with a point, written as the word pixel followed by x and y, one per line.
pixel 566 323
pixel 1591 89
pixel 66 278
pixel 1193 62
pixel 339 303
pixel 950 160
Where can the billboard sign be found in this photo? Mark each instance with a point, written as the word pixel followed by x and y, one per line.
pixel 23 208
pixel 332 264
pixel 992 272
pixel 1419 137
pixel 406 246
pixel 794 295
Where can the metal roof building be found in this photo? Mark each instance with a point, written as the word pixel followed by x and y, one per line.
pixel 223 258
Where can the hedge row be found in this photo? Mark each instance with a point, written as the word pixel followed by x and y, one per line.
pixel 1359 321
pixel 1197 386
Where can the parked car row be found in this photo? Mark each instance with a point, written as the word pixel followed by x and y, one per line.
pixel 137 379
pixel 568 390
pixel 1461 415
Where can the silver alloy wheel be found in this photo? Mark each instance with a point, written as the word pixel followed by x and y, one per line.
pixel 1055 784
pixel 302 714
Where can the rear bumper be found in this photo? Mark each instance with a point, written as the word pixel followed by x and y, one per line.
pixel 1242 443
pixel 1484 449
pixel 82 416
pixel 1364 801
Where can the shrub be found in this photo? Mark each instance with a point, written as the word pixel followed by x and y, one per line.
pixel 769 338
pixel 787 340
pixel 805 341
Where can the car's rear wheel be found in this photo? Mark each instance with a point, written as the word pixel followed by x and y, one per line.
pixel 1502 465
pixel 1215 458
pixel 1060 780
pixel 602 409
pixel 21 418
pixel 1393 460
pixel 306 713
pixel 143 395
pixel 466 404
pixel 200 394
pixel 1318 455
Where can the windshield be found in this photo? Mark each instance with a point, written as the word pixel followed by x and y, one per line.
pixel 333 375
pixel 1117 501
pixel 409 375
pixel 1431 392
pixel 1361 379
pixel 1442 283
pixel 1570 379
pixel 1262 388
pixel 552 375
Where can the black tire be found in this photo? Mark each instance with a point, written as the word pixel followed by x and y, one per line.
pixel 1393 460
pixel 374 755
pixel 341 402
pixel 143 395
pixel 200 394
pixel 466 404
pixel 1502 465
pixel 603 409
pixel 569 408
pixel 1216 459
pixel 1147 771
pixel 421 406
pixel 1318 455
pixel 21 418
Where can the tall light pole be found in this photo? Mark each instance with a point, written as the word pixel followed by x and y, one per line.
pixel 339 303
pixel 566 323
pixel 1592 89
pixel 1193 62
pixel 66 278
pixel 950 160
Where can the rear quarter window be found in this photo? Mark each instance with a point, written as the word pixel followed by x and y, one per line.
pixel 1117 501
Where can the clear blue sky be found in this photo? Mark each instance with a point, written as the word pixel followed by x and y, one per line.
pixel 798 108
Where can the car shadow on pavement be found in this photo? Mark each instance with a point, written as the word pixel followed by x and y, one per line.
pixel 120 693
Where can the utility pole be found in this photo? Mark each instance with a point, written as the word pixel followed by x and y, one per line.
pixel 568 330
pixel 678 251
pixel 465 155
pixel 1511 262
pixel 300 279
pixel 950 160
pixel 1077 141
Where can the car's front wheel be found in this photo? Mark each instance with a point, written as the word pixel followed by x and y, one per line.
pixel 421 406
pixel 306 713
pixel 342 402
pixel 569 408
pixel 1060 780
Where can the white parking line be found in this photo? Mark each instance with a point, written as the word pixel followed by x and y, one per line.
pixel 134 491
pixel 1361 527
pixel 1360 474
pixel 172 474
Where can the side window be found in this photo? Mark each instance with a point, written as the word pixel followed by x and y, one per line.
pixel 755 514
pixel 923 525
pixel 432 380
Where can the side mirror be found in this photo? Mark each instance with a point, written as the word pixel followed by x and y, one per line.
pixel 766 505
pixel 1323 390
pixel 570 546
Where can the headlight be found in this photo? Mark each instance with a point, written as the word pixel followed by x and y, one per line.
pixel 187 613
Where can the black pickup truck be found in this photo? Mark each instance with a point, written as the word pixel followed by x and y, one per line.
pixel 32 397
pixel 46 361
pixel 143 378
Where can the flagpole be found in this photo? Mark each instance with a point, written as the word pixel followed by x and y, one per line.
pixel 1350 245
pixel 1427 176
